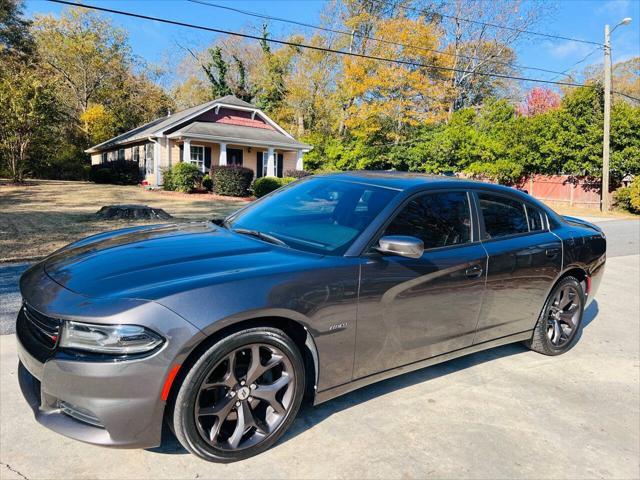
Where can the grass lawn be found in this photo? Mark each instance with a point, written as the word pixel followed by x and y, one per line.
pixel 44 215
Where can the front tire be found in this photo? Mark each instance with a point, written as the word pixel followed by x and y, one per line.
pixel 560 322
pixel 240 396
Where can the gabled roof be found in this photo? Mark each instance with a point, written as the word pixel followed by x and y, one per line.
pixel 238 134
pixel 158 126
pixel 233 100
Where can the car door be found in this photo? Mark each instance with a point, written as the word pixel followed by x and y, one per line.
pixel 524 260
pixel 411 309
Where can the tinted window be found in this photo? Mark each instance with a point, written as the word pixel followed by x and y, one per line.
pixel 502 216
pixel 438 219
pixel 319 215
pixel 536 219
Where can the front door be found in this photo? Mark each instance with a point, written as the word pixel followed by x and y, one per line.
pixel 234 156
pixel 412 309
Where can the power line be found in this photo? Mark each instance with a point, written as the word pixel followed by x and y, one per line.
pixel 567 70
pixel 366 37
pixel 313 47
pixel 487 24
pixel 626 95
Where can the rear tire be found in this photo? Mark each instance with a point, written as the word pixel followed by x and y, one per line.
pixel 560 322
pixel 240 396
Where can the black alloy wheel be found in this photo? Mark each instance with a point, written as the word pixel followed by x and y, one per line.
pixel 560 322
pixel 240 396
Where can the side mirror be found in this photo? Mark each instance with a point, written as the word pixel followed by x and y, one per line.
pixel 401 245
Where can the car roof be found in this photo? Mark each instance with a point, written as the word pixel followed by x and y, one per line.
pixel 410 180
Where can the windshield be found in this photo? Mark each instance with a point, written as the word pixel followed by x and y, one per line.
pixel 319 215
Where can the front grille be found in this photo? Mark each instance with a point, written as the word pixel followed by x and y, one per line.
pixel 38 333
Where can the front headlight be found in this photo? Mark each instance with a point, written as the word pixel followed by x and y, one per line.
pixel 109 339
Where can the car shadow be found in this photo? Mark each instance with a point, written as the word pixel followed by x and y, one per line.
pixel 309 416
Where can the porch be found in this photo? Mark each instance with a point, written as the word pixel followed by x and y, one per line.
pixel 264 160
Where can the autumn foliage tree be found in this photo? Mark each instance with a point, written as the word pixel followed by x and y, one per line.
pixel 385 98
pixel 539 100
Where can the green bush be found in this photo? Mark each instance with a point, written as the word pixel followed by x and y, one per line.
pixel 231 180
pixel 119 173
pixel 167 179
pixel 296 173
pixel 635 194
pixel 101 175
pixel 263 186
pixel 184 177
pixel 207 183
pixel 628 198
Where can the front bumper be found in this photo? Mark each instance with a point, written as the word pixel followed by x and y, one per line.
pixel 123 396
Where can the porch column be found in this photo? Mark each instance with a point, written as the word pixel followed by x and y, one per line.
pixel 299 164
pixel 223 154
pixel 271 163
pixel 156 162
pixel 186 150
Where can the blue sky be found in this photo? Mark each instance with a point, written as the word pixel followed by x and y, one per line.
pixel 583 19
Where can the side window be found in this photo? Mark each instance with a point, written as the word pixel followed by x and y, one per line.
pixel 536 219
pixel 438 219
pixel 502 216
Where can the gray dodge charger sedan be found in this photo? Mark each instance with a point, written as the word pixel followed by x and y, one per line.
pixel 328 284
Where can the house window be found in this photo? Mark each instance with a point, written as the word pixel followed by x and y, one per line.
pixel 197 156
pixel 136 154
pixel 148 157
pixel 105 157
pixel 121 155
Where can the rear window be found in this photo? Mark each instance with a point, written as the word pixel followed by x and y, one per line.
pixel 536 219
pixel 502 216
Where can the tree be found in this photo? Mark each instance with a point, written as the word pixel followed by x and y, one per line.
pixel 271 88
pixel 29 114
pixel 478 48
pixel 385 98
pixel 539 100
pixel 102 89
pixel 84 53
pixel 15 37
pixel 99 124
pixel 216 70
pixel 311 105
pixel 625 78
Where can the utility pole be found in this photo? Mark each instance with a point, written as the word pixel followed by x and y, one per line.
pixel 606 203
pixel 607 120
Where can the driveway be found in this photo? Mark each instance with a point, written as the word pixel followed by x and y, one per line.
pixel 504 413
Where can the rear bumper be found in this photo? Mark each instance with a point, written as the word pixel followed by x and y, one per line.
pixel 595 276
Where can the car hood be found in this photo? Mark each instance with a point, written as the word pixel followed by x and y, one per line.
pixel 153 262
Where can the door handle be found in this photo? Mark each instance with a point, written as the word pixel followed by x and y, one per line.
pixel 473 272
pixel 552 252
